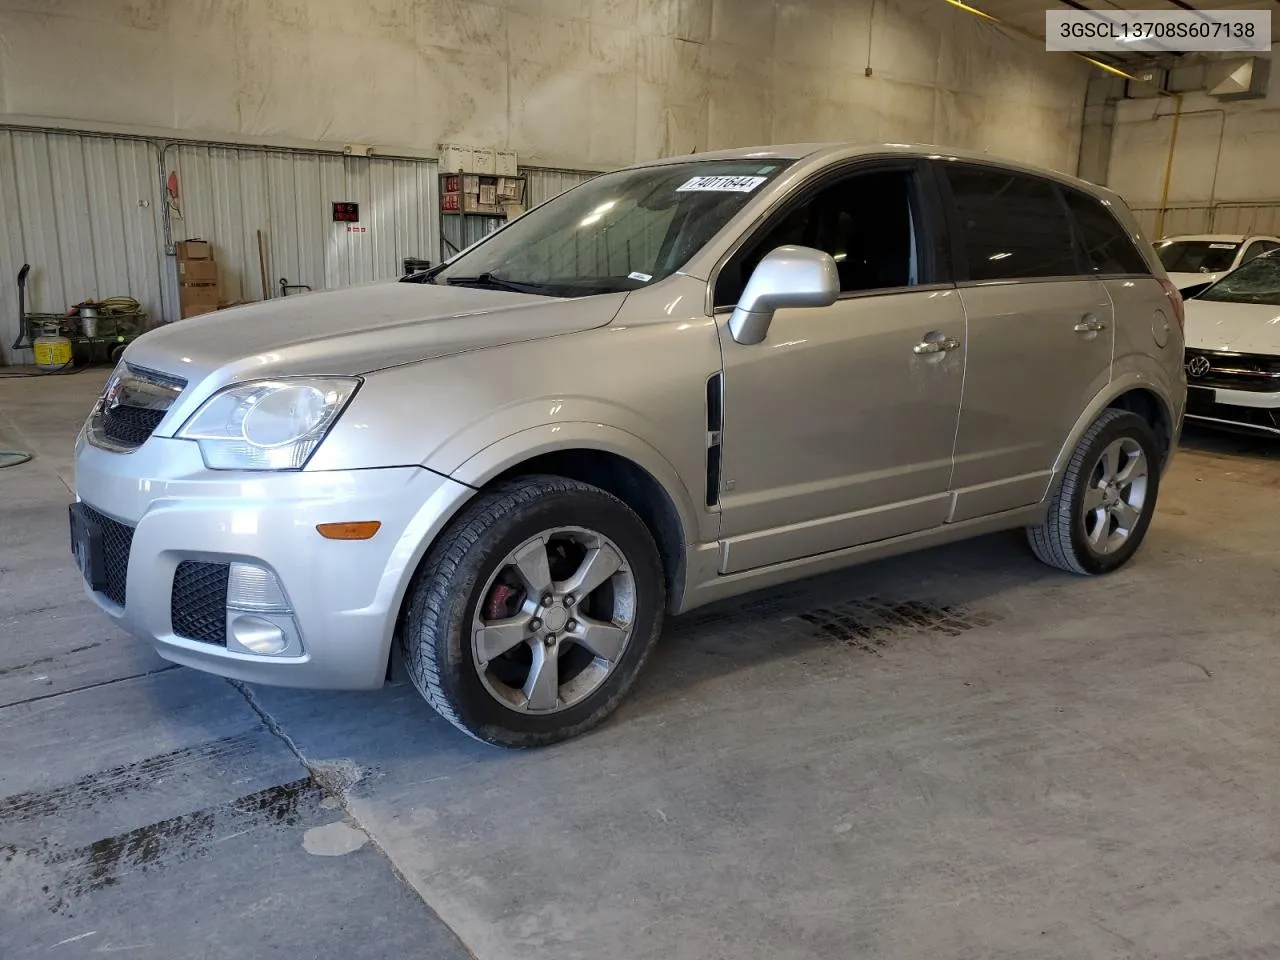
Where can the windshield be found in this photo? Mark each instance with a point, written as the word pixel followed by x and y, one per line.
pixel 619 231
pixel 1258 281
pixel 1197 256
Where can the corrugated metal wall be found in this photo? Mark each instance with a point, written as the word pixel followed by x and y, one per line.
pixel 84 211
pixel 229 194
pixel 545 184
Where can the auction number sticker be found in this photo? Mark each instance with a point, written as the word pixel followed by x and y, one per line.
pixel 721 184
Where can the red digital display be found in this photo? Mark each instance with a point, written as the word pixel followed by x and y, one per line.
pixel 346 213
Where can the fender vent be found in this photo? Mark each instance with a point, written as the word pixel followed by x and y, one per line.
pixel 715 424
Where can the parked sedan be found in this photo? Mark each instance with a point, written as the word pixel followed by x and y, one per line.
pixel 1195 261
pixel 1233 350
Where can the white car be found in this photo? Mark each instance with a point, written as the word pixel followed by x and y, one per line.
pixel 1233 350
pixel 1196 260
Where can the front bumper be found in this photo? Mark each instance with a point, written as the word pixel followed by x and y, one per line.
pixel 345 594
pixel 1245 410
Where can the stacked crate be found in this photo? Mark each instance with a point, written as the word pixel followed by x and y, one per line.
pixel 198 289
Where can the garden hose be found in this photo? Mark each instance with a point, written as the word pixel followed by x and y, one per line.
pixel 11 458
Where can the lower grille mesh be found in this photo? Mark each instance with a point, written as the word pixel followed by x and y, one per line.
pixel 198 606
pixel 117 541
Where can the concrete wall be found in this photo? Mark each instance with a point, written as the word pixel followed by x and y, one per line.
pixel 564 82
pixel 1225 152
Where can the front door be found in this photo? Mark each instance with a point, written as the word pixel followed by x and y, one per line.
pixel 839 427
pixel 1040 335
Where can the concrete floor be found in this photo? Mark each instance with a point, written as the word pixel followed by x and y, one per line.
pixel 960 754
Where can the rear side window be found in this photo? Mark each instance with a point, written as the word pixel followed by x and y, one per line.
pixel 1013 226
pixel 1107 247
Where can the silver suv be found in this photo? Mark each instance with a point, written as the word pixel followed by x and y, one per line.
pixel 673 384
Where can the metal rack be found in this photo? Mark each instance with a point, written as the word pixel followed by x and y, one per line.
pixel 468 215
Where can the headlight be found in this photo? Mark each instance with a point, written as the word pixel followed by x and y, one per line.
pixel 267 424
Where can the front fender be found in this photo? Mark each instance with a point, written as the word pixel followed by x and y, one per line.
pixel 510 451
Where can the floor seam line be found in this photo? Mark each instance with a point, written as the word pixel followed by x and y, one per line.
pixel 341 796
pixel 89 686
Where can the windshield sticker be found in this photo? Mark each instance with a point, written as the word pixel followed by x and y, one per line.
pixel 1222 246
pixel 642 277
pixel 722 184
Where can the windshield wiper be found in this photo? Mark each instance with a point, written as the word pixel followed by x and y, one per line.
pixel 495 283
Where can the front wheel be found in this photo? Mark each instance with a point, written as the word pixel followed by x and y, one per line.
pixel 1100 512
pixel 535 611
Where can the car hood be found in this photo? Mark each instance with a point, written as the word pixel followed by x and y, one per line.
pixel 1233 327
pixel 359 329
pixel 1181 280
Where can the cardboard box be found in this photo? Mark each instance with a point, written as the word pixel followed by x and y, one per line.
pixel 509 189
pixel 197 271
pixel 484 160
pixel 470 184
pixel 197 298
pixel 456 158
pixel 488 194
pixel 193 250
pixel 506 163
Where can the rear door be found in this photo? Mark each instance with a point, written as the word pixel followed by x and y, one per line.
pixel 1040 334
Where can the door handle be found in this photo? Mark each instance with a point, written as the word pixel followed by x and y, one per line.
pixel 936 346
pixel 1090 324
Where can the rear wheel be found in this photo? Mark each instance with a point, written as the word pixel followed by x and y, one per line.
pixel 535 611
pixel 1102 508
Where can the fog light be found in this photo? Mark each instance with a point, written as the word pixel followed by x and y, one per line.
pixel 251 587
pixel 258 635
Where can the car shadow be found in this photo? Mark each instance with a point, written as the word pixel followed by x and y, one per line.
pixel 1221 443
pixel 925 597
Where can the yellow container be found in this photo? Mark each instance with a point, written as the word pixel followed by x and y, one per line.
pixel 51 352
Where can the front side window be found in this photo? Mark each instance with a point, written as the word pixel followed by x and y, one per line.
pixel 1014 227
pixel 1197 256
pixel 620 231
pixel 866 222
pixel 1257 281
pixel 1106 245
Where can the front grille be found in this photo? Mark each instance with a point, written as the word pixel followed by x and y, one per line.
pixel 129 426
pixel 198 606
pixel 131 407
pixel 117 541
pixel 1233 371
pixel 1201 405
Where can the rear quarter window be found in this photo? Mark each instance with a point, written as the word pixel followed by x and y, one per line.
pixel 1108 249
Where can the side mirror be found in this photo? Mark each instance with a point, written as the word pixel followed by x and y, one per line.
pixel 786 277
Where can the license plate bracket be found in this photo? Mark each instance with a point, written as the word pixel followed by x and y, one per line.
pixel 87 548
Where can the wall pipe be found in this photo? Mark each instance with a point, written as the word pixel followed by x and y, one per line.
pixel 1173 136
pixel 1168 166
pixel 1177 98
pixel 960 5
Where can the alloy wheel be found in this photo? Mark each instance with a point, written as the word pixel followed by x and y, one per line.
pixel 1116 495
pixel 553 620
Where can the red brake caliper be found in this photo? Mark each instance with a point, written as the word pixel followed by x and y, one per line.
pixel 495 607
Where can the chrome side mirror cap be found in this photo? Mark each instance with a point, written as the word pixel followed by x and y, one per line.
pixel 786 277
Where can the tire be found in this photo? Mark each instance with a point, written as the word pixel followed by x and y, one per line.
pixel 468 581
pixel 1064 540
